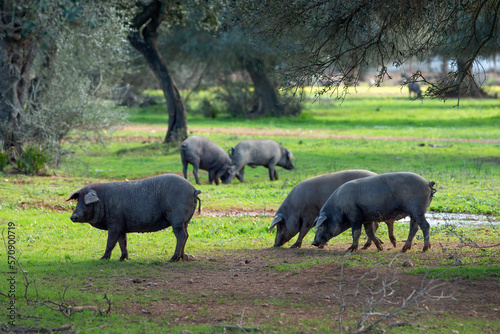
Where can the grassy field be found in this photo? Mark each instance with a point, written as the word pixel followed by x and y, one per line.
pixel 380 130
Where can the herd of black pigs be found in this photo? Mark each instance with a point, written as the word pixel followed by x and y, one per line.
pixel 332 202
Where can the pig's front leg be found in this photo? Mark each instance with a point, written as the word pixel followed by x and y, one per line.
pixel 113 237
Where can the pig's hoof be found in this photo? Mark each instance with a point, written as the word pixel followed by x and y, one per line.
pixel 351 249
pixel 296 246
pixel 123 258
pixel 105 258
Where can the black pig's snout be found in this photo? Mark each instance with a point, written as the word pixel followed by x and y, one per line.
pixel 74 218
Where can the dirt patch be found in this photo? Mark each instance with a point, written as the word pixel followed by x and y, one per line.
pixel 297 288
pixel 45 206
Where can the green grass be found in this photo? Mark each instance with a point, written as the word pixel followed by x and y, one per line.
pixel 374 112
pixel 467 174
pixel 59 254
pixel 467 272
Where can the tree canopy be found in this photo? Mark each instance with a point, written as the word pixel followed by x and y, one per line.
pixel 56 56
pixel 333 40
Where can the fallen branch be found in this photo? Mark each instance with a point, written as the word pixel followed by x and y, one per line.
pixel 62 306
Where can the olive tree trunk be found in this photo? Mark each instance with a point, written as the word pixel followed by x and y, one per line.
pixel 267 95
pixel 145 42
pixel 465 83
pixel 17 54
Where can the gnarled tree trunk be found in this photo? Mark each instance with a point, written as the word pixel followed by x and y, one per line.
pixel 466 85
pixel 268 99
pixel 149 20
pixel 17 54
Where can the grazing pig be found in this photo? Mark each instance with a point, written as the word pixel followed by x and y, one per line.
pixel 147 205
pixel 414 87
pixel 384 197
pixel 259 152
pixel 299 209
pixel 205 154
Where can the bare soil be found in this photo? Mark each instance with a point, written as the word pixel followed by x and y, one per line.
pixel 247 288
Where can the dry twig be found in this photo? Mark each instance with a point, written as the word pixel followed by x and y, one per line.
pixel 382 293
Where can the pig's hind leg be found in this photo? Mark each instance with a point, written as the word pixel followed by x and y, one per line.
pixel 370 230
pixel 390 231
pixel 122 241
pixel 425 227
pixel 181 234
pixel 369 241
pixel 411 234
pixel 196 165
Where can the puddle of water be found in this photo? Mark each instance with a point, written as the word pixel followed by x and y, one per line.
pixel 434 218
pixel 458 219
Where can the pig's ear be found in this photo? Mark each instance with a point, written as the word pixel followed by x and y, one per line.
pixel 74 195
pixel 91 197
pixel 290 155
pixel 319 220
pixel 275 222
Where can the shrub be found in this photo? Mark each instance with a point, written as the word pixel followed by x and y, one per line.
pixel 4 160
pixel 208 109
pixel 32 160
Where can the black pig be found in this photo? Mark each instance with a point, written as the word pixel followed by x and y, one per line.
pixel 205 154
pixel 384 197
pixel 299 209
pixel 146 205
pixel 259 152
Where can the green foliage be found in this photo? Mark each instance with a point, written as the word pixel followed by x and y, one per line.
pixel 80 56
pixel 32 160
pixel 468 272
pixel 208 109
pixel 4 160
pixel 238 98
